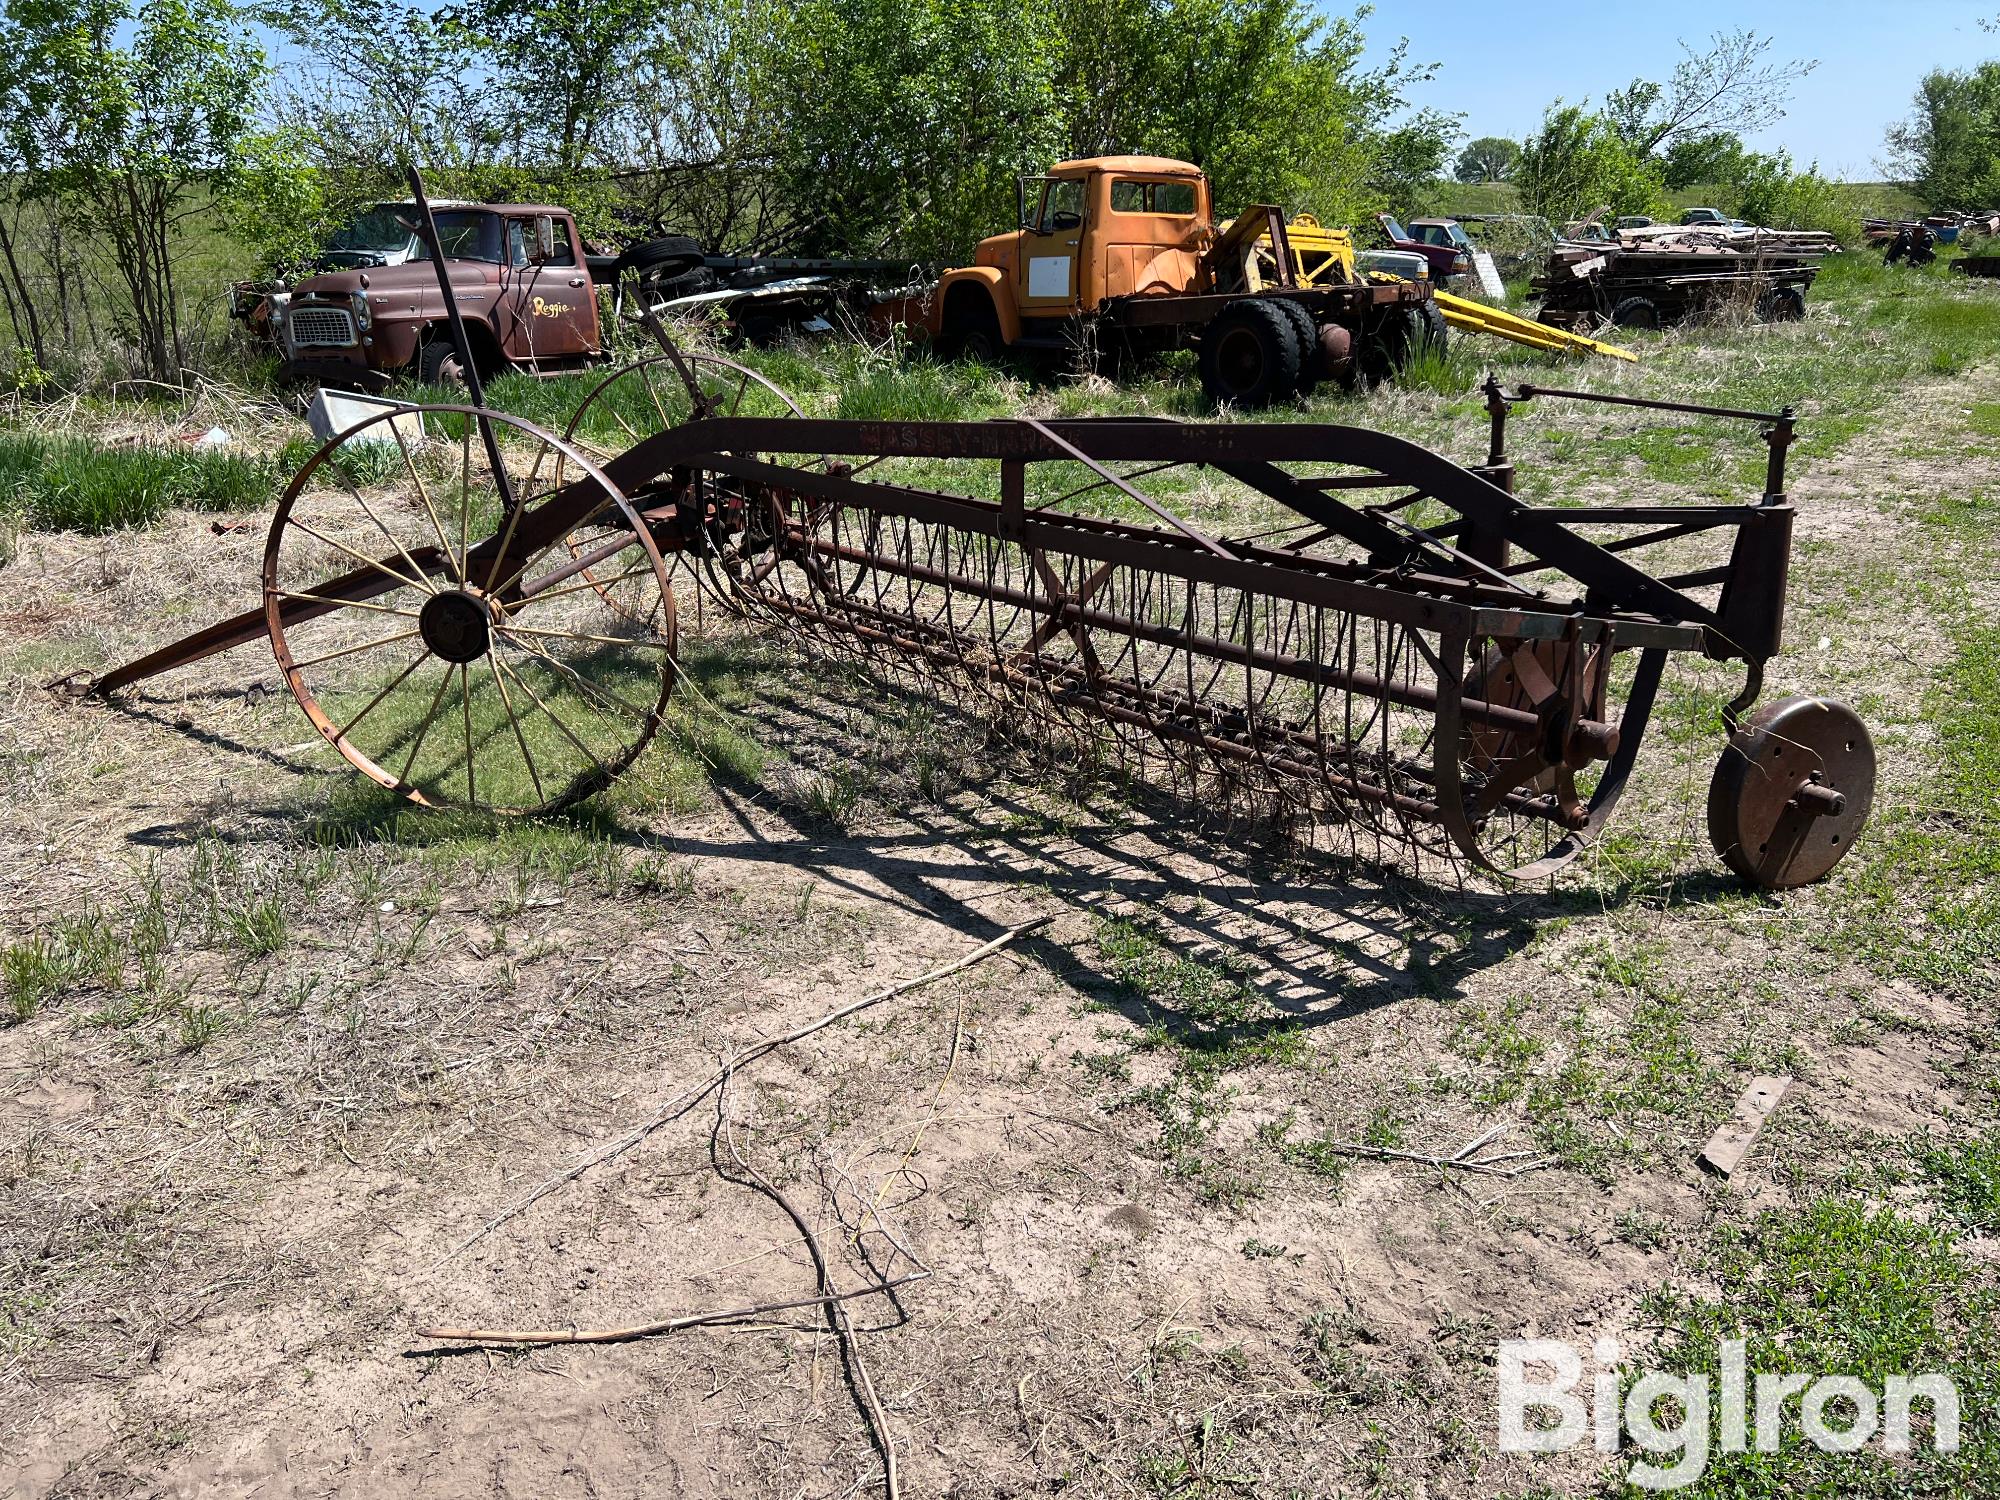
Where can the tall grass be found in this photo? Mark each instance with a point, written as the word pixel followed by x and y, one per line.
pixel 74 484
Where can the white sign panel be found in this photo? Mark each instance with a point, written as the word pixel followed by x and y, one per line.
pixel 1489 276
pixel 335 412
pixel 1048 275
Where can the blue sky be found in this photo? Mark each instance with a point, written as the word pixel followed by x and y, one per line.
pixel 1501 63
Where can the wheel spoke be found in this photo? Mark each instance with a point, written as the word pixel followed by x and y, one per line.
pixel 348 603
pixel 465 698
pixel 536 556
pixel 458 563
pixel 600 584
pixel 362 557
pixel 343 731
pixel 499 683
pixel 646 379
pixel 597 640
pixel 465 492
pixel 423 729
pixel 381 526
pixel 583 682
pixel 387 640
pixel 528 688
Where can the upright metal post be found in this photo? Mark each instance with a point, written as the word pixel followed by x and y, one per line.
pixel 475 387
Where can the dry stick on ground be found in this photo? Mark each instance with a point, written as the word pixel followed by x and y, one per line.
pixel 649 1330
pixel 686 1100
pixel 1463 1161
pixel 858 1379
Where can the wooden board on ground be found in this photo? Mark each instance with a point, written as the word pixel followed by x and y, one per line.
pixel 1726 1149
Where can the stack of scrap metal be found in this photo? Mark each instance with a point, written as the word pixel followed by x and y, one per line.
pixel 1665 279
pixel 1747 238
pixel 1948 229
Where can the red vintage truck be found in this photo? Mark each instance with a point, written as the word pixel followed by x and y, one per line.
pixel 528 289
pixel 523 283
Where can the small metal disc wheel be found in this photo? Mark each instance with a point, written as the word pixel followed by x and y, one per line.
pixel 651 395
pixel 450 648
pixel 1792 792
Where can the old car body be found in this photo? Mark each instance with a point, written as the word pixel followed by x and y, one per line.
pixel 521 281
pixel 1439 241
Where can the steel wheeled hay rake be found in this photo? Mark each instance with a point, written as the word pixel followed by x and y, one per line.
pixel 1397 645
pixel 1394 644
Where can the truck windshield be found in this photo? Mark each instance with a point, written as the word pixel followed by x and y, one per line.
pixel 377 229
pixel 467 236
pixel 1393 227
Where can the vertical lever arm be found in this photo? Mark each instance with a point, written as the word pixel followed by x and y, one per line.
pixel 427 228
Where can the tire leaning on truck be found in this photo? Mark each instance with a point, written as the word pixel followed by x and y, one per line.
pixel 1250 355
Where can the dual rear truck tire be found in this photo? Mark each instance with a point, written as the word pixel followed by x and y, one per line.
pixel 1262 351
pixel 1258 351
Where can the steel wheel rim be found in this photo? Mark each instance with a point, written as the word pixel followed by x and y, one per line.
pixel 540 673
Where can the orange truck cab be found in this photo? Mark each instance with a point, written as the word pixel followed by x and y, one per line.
pixel 1125 251
pixel 1090 231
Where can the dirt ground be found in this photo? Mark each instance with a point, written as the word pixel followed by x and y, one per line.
pixel 236 1177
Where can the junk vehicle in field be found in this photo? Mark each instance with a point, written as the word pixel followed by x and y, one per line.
pixel 1123 253
pixel 1441 243
pixel 533 297
pixel 1661 282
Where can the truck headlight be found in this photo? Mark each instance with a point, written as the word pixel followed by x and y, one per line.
pixel 362 317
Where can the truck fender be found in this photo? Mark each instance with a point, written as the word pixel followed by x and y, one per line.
pixel 991 282
pixel 485 344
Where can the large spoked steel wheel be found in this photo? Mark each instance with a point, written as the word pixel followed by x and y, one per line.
pixel 651 395
pixel 451 650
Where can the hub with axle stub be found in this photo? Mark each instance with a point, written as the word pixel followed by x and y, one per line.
pixel 1792 791
pixel 457 625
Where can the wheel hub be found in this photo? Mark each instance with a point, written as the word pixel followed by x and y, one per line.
pixel 456 625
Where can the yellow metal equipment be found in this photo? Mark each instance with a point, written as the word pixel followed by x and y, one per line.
pixel 1479 317
pixel 1322 254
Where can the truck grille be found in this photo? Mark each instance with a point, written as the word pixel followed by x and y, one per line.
pixel 321 327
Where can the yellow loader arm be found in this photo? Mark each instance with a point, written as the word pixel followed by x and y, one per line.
pixel 1478 317
pixel 1321 254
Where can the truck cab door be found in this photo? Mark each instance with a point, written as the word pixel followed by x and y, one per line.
pixel 1046 272
pixel 548 311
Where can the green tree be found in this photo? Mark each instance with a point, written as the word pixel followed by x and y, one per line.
pixel 563 68
pixel 904 122
pixel 1734 86
pixel 1491 158
pixel 138 137
pixel 1772 193
pixel 383 83
pixel 1578 162
pixel 1226 84
pixel 1715 157
pixel 704 123
pixel 1947 151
